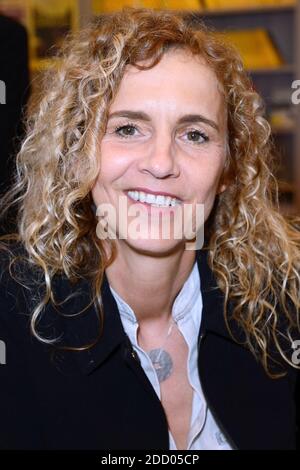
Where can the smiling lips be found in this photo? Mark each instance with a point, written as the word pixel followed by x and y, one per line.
pixel 154 199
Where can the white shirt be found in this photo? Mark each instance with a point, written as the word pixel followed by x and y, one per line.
pixel 204 432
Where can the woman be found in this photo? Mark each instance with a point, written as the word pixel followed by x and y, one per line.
pixel 117 339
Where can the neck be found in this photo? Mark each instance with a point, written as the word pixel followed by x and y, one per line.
pixel 150 284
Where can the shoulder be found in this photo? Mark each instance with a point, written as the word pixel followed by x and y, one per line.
pixel 23 303
pixel 14 296
pixel 20 290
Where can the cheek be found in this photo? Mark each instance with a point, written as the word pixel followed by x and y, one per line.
pixel 206 184
pixel 111 166
pixel 103 179
pixel 114 160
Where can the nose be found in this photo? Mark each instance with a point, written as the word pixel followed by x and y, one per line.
pixel 161 159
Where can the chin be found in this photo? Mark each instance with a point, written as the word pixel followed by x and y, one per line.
pixel 152 247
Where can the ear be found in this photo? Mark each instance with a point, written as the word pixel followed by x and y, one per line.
pixel 225 179
pixel 221 188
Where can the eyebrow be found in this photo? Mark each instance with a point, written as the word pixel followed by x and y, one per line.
pixel 186 119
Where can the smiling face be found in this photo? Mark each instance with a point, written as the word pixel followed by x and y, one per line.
pixel 166 135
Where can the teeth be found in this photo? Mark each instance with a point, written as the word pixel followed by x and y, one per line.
pixel 150 199
pixel 142 197
pixel 159 200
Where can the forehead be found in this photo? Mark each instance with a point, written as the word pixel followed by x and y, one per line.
pixel 179 79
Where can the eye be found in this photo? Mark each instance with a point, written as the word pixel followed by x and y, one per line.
pixel 197 137
pixel 125 131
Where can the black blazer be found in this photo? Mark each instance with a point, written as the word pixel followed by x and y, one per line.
pixel 102 399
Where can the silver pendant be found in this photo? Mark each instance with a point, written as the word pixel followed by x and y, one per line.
pixel 162 363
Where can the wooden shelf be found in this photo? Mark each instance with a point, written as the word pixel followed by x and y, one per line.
pixel 38 65
pixel 286 187
pixel 284 69
pixel 244 10
pixel 283 130
pixel 288 209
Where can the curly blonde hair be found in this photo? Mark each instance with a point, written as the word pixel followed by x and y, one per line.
pixel 252 249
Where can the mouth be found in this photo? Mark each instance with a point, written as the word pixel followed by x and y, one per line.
pixel 153 199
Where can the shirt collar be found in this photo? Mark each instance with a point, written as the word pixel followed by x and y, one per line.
pixel 213 315
pixel 113 333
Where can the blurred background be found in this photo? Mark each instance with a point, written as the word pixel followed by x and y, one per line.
pixel 267 33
